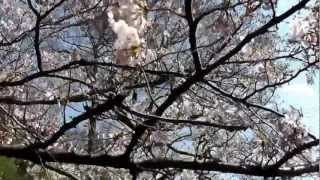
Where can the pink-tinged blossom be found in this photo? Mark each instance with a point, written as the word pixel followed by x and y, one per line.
pixel 128 28
pixel 122 57
pixel 222 25
pixel 297 31
pixel 127 36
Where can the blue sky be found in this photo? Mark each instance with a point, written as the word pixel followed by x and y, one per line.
pixel 298 93
pixel 305 97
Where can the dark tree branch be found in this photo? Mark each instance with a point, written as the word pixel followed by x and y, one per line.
pixel 36 41
pixel 214 166
pixel 242 100
pixel 15 101
pixel 52 9
pixel 192 35
pixel 33 9
pixel 122 162
pixel 39 156
pixel 294 152
pixel 82 63
pixel 75 121
pixel 179 121
pixel 281 82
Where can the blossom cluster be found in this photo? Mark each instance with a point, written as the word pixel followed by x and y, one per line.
pixel 304 29
pixel 128 23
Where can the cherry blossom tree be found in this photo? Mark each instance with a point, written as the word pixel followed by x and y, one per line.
pixel 155 89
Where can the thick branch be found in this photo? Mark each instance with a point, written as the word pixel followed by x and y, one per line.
pixel 36 40
pixel 214 166
pixel 294 152
pixel 192 35
pixel 15 101
pixel 63 157
pixel 122 162
pixel 75 121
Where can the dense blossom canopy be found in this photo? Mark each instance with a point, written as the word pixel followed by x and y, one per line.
pixel 156 89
